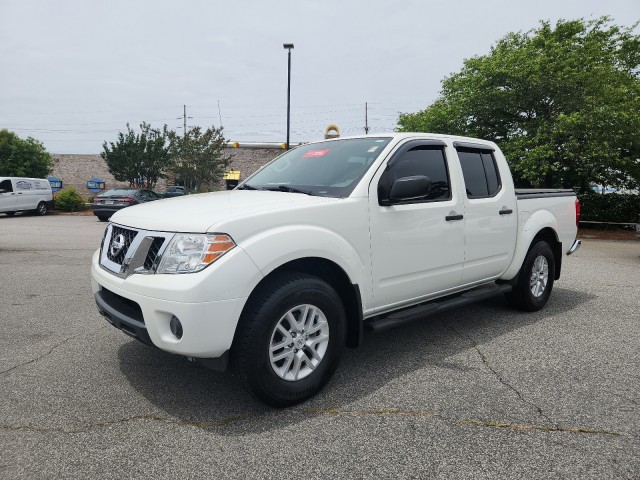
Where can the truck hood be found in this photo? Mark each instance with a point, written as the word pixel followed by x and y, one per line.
pixel 197 213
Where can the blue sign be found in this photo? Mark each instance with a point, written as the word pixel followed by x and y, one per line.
pixel 56 184
pixel 95 185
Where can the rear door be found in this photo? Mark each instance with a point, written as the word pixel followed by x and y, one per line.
pixel 417 246
pixel 8 198
pixel 490 212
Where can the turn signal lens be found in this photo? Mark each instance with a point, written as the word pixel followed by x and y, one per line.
pixel 220 245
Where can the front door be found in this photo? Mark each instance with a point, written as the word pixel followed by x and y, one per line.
pixel 418 245
pixel 7 196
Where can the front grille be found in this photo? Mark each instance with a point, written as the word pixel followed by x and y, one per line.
pixel 128 236
pixel 152 254
pixel 126 251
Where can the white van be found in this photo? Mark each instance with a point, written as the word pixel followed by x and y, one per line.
pixel 19 194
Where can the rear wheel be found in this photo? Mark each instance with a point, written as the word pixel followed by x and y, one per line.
pixel 535 280
pixel 41 209
pixel 103 218
pixel 289 339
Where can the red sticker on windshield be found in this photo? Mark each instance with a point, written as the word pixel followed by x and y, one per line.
pixel 316 153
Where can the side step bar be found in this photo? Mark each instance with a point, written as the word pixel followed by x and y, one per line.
pixel 439 305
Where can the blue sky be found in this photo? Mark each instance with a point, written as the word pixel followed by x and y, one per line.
pixel 75 72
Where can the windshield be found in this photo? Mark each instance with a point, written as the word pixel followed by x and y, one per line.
pixel 330 169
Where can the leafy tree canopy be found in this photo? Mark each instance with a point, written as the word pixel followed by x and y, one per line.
pixel 23 158
pixel 199 157
pixel 138 158
pixel 563 103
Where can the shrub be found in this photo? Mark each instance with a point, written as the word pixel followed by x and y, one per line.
pixel 69 200
pixel 610 207
pixel 90 199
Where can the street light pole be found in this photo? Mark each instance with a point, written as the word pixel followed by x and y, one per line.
pixel 289 47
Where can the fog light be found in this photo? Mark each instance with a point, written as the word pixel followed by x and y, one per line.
pixel 176 327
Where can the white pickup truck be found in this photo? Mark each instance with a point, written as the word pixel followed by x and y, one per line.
pixel 280 274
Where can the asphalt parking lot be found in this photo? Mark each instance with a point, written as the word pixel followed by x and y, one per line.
pixel 483 392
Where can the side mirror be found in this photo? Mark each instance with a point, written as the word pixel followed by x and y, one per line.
pixel 409 188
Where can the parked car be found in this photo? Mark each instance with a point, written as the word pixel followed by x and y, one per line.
pixel 175 191
pixel 25 194
pixel 109 202
pixel 280 274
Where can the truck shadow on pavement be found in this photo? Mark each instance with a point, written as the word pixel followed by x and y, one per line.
pixel 194 396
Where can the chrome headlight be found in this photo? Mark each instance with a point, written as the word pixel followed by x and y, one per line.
pixel 188 253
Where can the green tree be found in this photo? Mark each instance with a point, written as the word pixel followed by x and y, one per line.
pixel 23 158
pixel 563 103
pixel 138 158
pixel 199 157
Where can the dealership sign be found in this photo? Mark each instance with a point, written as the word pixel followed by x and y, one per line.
pixel 56 184
pixel 95 185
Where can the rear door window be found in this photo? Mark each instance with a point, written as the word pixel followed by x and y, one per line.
pixel 480 173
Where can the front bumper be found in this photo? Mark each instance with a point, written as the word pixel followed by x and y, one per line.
pixel 122 315
pixel 133 305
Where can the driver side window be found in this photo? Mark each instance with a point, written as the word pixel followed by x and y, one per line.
pixel 427 161
pixel 6 186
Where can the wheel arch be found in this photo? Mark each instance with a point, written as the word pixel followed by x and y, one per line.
pixel 334 275
pixel 550 236
pixel 542 225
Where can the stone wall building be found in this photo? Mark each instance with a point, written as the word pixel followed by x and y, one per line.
pixel 76 170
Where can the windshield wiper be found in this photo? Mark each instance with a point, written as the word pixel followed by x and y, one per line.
pixel 246 186
pixel 287 188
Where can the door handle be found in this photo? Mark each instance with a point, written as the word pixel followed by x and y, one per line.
pixel 449 218
pixel 506 211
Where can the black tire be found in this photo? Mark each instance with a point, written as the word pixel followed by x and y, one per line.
pixel 256 333
pixel 9 214
pixel 523 297
pixel 102 218
pixel 41 209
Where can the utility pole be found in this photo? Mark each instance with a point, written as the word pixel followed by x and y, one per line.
pixel 184 121
pixel 366 119
pixel 184 132
pixel 219 114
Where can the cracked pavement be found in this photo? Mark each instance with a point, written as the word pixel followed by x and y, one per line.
pixel 481 392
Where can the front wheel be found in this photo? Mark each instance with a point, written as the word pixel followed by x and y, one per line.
pixel 535 280
pixel 289 339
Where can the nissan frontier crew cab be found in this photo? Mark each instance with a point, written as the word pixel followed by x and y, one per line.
pixel 277 276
